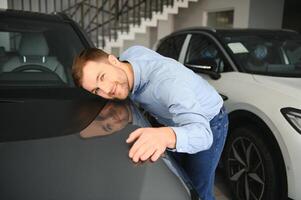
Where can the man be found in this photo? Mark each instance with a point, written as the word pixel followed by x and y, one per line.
pixel 196 122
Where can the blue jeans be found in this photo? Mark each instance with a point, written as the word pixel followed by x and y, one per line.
pixel 200 167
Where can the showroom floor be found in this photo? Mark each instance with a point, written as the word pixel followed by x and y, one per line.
pixel 220 189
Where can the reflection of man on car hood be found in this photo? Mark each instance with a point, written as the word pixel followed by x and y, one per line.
pixel 112 118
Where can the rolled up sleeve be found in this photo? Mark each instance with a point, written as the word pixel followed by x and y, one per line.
pixel 192 138
pixel 191 126
pixel 193 130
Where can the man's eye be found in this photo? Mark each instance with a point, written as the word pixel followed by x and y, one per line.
pixel 102 77
pixel 109 127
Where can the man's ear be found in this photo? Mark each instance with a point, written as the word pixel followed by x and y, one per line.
pixel 113 60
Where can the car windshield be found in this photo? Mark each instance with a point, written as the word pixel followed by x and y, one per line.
pixel 36 53
pixel 269 53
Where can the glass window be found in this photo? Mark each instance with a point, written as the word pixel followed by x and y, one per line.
pixel 221 19
pixel 37 53
pixel 270 53
pixel 171 47
pixel 203 50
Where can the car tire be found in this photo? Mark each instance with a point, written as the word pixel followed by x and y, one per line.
pixel 250 165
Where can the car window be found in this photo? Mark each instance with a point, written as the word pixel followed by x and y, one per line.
pixel 171 47
pixel 292 52
pixel 37 53
pixel 273 53
pixel 202 48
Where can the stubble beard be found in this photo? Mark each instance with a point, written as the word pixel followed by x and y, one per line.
pixel 124 87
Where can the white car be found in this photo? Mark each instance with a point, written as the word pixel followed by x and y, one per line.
pixel 258 73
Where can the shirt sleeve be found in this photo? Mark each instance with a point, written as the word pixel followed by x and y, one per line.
pixel 192 128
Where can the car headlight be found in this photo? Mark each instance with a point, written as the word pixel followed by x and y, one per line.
pixel 293 116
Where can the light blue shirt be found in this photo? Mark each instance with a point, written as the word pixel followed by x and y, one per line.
pixel 176 96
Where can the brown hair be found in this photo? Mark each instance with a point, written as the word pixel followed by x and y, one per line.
pixel 90 54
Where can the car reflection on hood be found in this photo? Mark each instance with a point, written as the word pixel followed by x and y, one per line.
pixel 66 153
pixel 113 117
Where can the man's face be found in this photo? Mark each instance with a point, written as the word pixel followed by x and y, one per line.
pixel 106 80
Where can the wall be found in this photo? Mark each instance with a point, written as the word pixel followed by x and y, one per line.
pixel 153 34
pixel 192 16
pixel 196 14
pixel 3 4
pixel 247 13
pixel 266 14
pixel 140 39
pixel 165 27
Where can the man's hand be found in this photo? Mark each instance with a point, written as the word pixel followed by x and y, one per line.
pixel 150 143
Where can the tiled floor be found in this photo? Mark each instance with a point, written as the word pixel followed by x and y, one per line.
pixel 220 189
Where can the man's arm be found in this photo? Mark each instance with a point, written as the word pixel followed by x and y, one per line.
pixel 190 134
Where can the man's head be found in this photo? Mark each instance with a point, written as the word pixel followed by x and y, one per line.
pixel 102 74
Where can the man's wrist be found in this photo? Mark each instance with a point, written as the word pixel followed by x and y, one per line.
pixel 170 137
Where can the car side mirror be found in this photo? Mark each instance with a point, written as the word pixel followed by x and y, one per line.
pixel 205 66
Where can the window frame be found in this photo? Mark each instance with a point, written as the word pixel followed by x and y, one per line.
pixel 170 37
pixel 67 24
pixel 217 43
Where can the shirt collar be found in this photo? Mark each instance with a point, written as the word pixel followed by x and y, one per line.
pixel 137 76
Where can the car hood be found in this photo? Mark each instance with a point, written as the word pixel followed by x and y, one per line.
pixel 44 156
pixel 284 85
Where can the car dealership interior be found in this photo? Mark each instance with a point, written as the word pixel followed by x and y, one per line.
pixel 58 141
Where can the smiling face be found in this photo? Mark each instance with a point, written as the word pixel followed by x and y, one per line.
pixel 107 79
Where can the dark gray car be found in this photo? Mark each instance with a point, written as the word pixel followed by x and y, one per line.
pixel 58 141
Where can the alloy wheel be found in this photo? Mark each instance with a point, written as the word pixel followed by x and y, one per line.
pixel 246 170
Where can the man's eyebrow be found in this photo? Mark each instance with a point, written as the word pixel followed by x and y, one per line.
pixel 97 77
